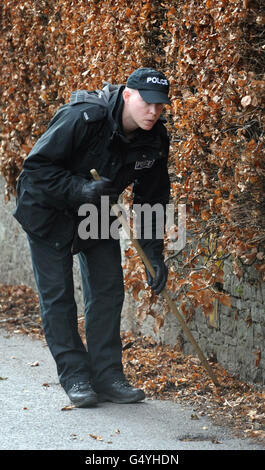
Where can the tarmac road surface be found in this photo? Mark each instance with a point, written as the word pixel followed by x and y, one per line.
pixel 35 414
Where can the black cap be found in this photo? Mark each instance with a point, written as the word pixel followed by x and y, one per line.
pixel 152 85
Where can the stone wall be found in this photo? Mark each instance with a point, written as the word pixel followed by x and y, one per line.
pixel 15 266
pixel 234 337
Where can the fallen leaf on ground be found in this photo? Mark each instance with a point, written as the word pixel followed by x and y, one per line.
pixel 67 407
pixel 97 438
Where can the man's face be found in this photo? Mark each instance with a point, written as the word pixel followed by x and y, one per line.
pixel 138 113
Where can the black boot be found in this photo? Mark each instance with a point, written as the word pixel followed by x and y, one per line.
pixel 119 391
pixel 82 395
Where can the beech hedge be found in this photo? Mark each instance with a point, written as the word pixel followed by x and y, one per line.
pixel 213 52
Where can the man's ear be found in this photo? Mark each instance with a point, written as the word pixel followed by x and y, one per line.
pixel 126 95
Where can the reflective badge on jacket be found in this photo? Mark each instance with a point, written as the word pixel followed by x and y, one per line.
pixel 146 164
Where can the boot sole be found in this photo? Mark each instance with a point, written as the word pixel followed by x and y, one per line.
pixel 103 397
pixel 86 403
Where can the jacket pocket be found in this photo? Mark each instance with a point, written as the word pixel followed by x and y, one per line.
pixel 34 218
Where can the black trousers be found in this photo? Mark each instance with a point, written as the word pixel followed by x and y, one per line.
pixel 103 293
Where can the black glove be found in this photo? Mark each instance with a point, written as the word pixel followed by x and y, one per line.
pixel 93 190
pixel 157 283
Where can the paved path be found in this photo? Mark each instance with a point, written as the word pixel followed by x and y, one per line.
pixel 32 416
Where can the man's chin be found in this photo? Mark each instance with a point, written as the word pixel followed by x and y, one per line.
pixel 147 126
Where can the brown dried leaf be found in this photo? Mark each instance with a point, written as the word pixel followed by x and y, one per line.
pixel 97 438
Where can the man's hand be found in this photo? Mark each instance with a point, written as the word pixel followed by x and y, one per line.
pixel 93 190
pixel 158 283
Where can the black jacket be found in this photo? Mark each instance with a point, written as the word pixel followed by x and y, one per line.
pixel 82 136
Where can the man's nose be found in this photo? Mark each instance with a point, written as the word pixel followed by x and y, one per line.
pixel 156 109
pixel 153 108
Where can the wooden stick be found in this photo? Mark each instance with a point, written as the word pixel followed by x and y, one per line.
pixel 164 292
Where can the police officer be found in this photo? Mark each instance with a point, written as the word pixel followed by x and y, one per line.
pixel 119 132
